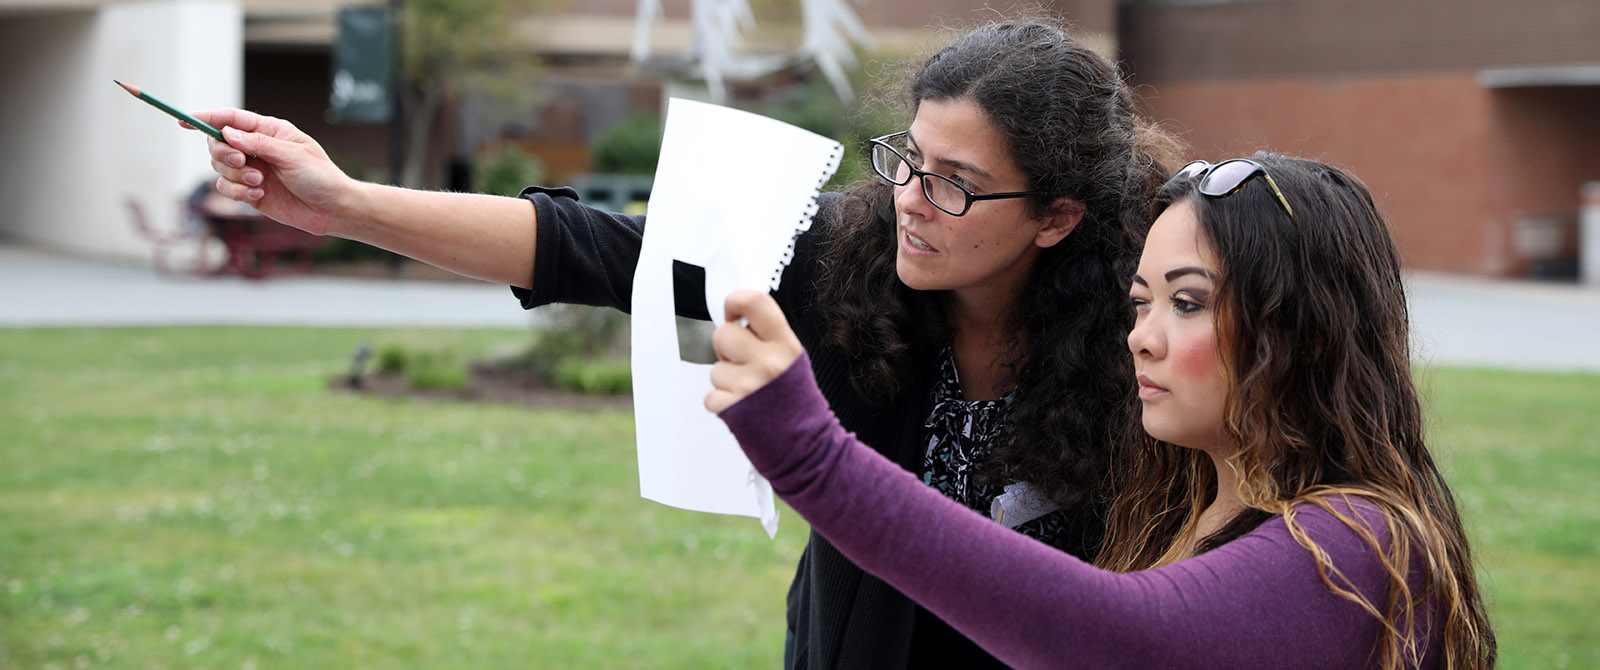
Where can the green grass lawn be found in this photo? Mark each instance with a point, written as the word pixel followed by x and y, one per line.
pixel 196 497
pixel 1522 452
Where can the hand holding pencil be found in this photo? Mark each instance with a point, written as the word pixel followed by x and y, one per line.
pixel 282 172
pixel 267 163
pixel 271 165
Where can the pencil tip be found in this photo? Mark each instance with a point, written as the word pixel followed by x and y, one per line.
pixel 130 88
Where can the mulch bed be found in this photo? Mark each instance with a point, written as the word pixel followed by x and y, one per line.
pixel 487 384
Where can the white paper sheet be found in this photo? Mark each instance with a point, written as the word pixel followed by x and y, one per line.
pixel 731 192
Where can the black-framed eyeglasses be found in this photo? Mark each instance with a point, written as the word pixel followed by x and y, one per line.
pixel 1226 178
pixel 892 165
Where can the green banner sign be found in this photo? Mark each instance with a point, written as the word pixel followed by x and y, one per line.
pixel 363 67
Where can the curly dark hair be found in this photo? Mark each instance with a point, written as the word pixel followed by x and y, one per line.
pixel 1070 123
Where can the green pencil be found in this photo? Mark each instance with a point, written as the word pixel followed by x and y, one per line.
pixel 176 113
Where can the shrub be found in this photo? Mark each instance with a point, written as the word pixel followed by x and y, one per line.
pixel 433 370
pixel 506 172
pixel 595 376
pixel 392 358
pixel 574 332
pixel 437 371
pixel 633 146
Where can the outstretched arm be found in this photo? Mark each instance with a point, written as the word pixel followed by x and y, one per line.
pixel 1256 602
pixel 291 179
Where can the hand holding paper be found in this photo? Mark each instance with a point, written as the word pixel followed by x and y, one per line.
pixel 732 191
pixel 750 356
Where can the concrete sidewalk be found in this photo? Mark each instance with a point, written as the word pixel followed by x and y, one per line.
pixel 1456 320
pixel 42 289
pixel 1465 320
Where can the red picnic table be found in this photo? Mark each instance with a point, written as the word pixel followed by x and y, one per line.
pixel 255 242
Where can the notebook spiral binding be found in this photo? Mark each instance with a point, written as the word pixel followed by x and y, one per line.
pixel 804 224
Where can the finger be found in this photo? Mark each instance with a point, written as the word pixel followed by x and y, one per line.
pixel 736 304
pixel 246 176
pixel 236 191
pixel 240 192
pixel 723 375
pixel 733 343
pixel 245 120
pixel 765 317
pixel 717 400
pixel 265 147
pixel 225 153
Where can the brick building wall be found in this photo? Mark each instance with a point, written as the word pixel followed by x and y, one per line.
pixel 1392 91
pixel 1391 131
pixel 1314 37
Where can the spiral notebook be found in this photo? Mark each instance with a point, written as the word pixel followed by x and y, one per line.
pixel 732 192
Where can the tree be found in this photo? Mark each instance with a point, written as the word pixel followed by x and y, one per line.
pixel 453 49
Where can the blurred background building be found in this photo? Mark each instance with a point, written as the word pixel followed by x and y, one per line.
pixel 1476 122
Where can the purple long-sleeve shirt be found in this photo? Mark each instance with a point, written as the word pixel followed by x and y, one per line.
pixel 1256 602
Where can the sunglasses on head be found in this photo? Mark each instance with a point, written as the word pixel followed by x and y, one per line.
pixel 1226 178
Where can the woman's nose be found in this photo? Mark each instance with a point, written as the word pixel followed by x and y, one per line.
pixel 1145 338
pixel 910 199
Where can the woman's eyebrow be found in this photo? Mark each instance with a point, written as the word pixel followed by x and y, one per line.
pixel 1186 270
pixel 968 167
pixel 957 164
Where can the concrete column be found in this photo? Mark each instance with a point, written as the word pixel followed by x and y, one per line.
pixel 1589 235
pixel 189 53
pixel 77 146
pixel 44 140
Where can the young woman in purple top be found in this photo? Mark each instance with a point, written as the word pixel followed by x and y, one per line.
pixel 1284 510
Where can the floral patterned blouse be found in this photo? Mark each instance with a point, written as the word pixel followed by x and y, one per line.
pixel 959 436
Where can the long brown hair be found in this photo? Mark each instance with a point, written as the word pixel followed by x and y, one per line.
pixel 1312 327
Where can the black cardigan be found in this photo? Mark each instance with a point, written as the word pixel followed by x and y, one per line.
pixel 839 616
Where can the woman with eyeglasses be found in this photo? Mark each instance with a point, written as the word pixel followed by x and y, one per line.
pixel 1284 510
pixel 963 311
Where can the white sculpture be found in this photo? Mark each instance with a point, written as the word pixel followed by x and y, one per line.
pixel 831 27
